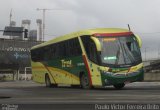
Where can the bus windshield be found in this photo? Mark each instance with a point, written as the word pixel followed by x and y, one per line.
pixel 119 51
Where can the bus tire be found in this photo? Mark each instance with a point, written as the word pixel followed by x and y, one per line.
pixel 84 82
pixel 47 81
pixel 119 86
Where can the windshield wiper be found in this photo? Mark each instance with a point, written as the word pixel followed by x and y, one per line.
pixel 117 56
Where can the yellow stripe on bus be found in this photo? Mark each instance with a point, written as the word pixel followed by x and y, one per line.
pixel 56 71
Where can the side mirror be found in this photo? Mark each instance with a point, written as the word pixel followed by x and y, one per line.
pixel 97 43
pixel 139 41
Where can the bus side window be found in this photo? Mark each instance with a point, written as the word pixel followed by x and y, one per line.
pixel 90 48
pixel 92 51
pixel 77 48
pixel 85 41
pixel 54 51
pixel 60 49
pixel 63 49
pixel 67 48
pixel 37 55
pixel 74 47
pixel 33 55
pixel 46 55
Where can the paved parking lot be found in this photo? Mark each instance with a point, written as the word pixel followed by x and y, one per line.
pixel 28 92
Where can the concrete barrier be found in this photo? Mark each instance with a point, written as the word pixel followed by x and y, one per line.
pixel 10 77
pixel 147 77
pixel 151 76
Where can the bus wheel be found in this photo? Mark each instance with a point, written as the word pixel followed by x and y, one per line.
pixel 47 81
pixel 84 81
pixel 119 86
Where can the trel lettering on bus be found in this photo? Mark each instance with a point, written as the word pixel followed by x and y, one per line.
pixel 66 63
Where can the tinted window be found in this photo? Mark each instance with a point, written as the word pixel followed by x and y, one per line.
pixel 74 47
pixel 90 48
pixel 37 55
pixel 62 49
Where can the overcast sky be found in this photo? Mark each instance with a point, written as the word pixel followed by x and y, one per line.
pixel 142 15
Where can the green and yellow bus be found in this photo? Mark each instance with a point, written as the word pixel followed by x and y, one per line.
pixel 89 58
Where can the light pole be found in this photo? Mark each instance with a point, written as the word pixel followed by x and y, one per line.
pixel 43 20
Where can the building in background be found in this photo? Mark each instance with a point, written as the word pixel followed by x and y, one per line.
pixel 13 24
pixel 33 35
pixel 26 25
pixel 15 49
pixel 39 29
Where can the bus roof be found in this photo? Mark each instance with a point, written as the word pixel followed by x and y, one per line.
pixel 81 33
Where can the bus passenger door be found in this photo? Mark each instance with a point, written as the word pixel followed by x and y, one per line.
pixel 95 74
pixel 93 62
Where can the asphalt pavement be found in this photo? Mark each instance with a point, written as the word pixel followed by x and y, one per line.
pixel 28 95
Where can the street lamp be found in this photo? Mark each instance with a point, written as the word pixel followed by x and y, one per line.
pixel 43 20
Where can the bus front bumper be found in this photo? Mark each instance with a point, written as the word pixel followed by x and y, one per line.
pixel 112 79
